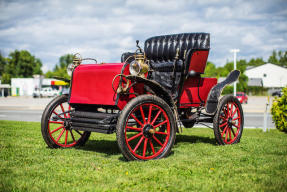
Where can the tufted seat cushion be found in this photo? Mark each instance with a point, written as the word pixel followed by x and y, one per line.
pixel 163 48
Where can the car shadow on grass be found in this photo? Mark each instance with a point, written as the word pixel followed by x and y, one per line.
pixel 194 139
pixel 107 147
pixel 110 148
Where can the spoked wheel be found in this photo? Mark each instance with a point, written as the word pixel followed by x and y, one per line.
pixel 56 127
pixel 228 121
pixel 146 128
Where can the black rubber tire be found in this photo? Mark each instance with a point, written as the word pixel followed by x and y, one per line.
pixel 45 118
pixel 120 129
pixel 216 120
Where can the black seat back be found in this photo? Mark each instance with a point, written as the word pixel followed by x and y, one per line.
pixel 163 48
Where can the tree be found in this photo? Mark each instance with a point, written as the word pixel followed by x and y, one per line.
pixel 21 64
pixel 60 70
pixel 256 62
pixel 278 58
pixel 3 62
pixel 210 70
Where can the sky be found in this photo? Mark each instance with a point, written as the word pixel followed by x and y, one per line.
pixel 107 28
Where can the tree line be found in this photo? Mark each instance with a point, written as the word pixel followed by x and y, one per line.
pixel 23 64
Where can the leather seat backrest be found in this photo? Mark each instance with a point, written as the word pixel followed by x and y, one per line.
pixel 163 48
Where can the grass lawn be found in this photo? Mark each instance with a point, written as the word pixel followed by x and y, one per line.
pixel 258 163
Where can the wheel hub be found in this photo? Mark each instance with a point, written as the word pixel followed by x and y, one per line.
pixel 67 124
pixel 148 131
pixel 230 122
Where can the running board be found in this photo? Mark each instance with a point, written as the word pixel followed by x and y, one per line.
pixel 94 121
pixel 215 92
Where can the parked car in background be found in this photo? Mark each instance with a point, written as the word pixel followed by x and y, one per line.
pixel 46 92
pixel 36 93
pixel 278 93
pixel 242 97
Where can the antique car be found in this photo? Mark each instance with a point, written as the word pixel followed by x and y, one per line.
pixel 145 99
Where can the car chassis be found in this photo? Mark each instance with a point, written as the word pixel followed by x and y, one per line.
pixel 144 98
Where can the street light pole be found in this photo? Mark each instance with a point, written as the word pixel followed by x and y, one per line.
pixel 234 51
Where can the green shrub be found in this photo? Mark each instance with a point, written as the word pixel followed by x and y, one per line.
pixel 279 111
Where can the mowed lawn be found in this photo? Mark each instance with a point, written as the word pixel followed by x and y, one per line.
pixel 258 163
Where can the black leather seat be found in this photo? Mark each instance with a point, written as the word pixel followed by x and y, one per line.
pixel 161 52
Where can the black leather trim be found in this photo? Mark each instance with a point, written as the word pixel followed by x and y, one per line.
pixel 215 92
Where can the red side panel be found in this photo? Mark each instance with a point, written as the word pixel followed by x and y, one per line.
pixel 189 97
pixel 198 61
pixel 92 84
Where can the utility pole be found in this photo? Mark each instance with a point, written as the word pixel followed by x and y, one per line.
pixel 234 51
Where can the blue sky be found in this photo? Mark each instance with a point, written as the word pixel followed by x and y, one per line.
pixel 105 29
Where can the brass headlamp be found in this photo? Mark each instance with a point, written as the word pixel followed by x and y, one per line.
pixel 140 65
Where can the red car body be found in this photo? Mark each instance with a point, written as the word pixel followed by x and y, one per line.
pixel 242 97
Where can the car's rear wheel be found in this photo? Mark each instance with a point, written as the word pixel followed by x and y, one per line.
pixel 146 128
pixel 228 121
pixel 55 125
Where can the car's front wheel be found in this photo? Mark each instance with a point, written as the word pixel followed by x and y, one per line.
pixel 146 128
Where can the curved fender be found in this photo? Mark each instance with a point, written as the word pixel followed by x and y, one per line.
pixel 215 92
pixel 159 90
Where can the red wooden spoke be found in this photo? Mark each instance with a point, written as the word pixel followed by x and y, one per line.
pixel 57 114
pixel 157 140
pixel 236 109
pixel 57 122
pixel 142 113
pixel 149 113
pixel 236 118
pixel 226 135
pixel 160 124
pixel 223 118
pixel 158 113
pixel 60 135
pixel 231 109
pixel 134 128
pixel 137 146
pixel 224 130
pixel 151 146
pixel 161 133
pixel 134 137
pixel 61 127
pixel 69 110
pixel 137 120
pixel 145 144
pixel 63 110
pixel 236 126
pixel 72 135
pixel 223 124
pixel 230 137
pixel 66 137
pixel 233 131
pixel 227 110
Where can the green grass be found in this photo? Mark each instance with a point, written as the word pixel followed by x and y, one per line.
pixel 258 163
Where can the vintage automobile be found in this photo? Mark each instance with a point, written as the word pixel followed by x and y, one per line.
pixel 145 99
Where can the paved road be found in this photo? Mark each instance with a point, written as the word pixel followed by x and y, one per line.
pixel 252 120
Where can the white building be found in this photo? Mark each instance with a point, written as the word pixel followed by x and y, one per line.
pixel 26 86
pixel 273 76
